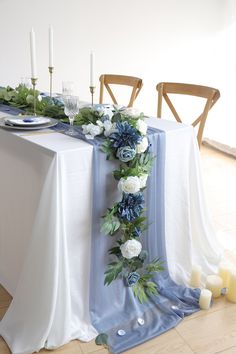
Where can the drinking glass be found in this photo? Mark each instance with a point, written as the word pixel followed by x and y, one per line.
pixel 68 88
pixel 71 108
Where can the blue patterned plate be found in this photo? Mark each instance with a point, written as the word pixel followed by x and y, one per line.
pixel 26 121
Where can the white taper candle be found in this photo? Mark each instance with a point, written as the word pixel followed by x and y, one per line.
pixel 33 55
pixel 91 69
pixel 51 46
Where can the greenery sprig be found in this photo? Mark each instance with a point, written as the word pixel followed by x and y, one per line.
pixel 22 97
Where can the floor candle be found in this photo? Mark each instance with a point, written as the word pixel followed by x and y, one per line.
pixel 224 273
pixel 195 280
pixel 214 283
pixel 231 294
pixel 205 299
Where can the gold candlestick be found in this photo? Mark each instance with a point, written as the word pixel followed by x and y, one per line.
pixel 50 68
pixel 33 81
pixel 92 90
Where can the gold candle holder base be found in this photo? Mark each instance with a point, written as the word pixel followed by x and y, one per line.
pixel 92 91
pixel 50 68
pixel 34 81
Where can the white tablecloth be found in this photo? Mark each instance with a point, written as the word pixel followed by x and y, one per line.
pixel 45 230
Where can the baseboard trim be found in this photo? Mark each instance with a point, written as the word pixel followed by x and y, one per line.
pixel 229 150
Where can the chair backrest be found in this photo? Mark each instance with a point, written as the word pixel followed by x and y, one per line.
pixel 108 79
pixel 211 95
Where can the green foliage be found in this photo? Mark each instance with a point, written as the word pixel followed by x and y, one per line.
pixel 140 165
pixel 88 115
pixel 23 98
pixel 139 291
pixel 114 269
pixel 144 288
pixel 111 223
pixel 102 339
pixel 107 149
pixel 116 251
pixel 155 266
pixel 128 228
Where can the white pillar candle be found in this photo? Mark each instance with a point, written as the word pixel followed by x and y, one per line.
pixel 33 55
pixel 224 273
pixel 205 299
pixel 91 70
pixel 195 279
pixel 231 293
pixel 50 47
pixel 214 283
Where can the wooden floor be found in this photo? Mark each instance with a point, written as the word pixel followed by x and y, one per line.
pixel 205 332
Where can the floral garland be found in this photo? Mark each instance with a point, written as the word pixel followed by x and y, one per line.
pixel 126 139
pixel 22 97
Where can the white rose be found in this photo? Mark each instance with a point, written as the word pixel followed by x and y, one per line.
pixel 109 127
pixel 85 128
pixel 143 180
pixel 129 185
pixel 99 123
pixel 141 126
pixel 141 147
pixel 132 112
pixel 108 110
pixel 131 248
pixel 39 98
pixel 91 130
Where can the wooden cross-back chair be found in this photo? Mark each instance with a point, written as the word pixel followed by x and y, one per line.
pixel 210 94
pixel 108 79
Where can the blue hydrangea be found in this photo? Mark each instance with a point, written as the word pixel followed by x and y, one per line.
pixel 125 135
pixel 132 278
pixel 125 153
pixel 130 206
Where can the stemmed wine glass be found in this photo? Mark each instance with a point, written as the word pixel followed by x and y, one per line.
pixel 68 88
pixel 71 108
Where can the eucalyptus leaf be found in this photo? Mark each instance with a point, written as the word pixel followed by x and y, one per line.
pixel 102 339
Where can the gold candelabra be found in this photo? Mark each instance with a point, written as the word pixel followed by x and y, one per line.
pixel 92 90
pixel 34 81
pixel 50 68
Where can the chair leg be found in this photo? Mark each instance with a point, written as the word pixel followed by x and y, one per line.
pixel 159 103
pixel 101 90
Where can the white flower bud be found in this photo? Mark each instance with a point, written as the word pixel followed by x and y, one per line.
pixel 131 248
pixel 142 146
pixel 141 126
pixel 129 185
pixel 143 180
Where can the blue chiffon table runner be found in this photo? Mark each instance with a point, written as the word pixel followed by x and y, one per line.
pixel 114 307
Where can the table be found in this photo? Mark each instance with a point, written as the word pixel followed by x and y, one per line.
pixel 45 221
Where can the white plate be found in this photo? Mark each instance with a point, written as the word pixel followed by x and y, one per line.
pixel 51 123
pixel 26 121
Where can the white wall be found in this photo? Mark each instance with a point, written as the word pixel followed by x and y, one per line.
pixel 157 40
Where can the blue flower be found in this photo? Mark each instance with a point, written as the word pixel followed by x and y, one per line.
pixel 137 232
pixel 131 206
pixel 125 154
pixel 132 278
pixel 126 135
